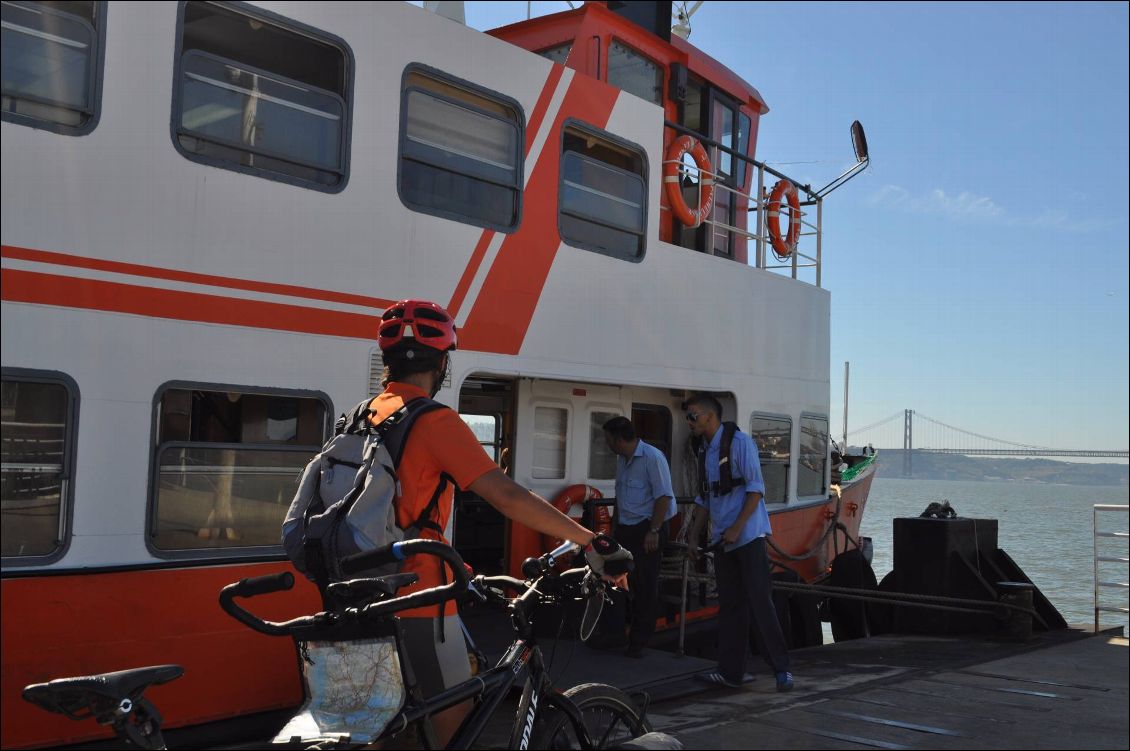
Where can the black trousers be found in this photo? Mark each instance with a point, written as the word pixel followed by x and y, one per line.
pixel 746 616
pixel 643 582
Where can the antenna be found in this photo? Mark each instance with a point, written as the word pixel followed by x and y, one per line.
pixel 682 29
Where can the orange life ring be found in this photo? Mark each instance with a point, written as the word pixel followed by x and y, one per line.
pixel 684 213
pixel 783 246
pixel 574 497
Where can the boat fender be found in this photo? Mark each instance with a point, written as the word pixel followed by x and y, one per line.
pixel 783 245
pixel 690 218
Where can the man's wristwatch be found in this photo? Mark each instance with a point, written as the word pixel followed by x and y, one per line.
pixel 653 531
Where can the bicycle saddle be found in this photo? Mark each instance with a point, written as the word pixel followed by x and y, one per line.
pixel 105 693
pixel 360 591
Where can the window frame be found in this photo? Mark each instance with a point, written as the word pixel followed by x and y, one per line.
pixel 567 408
pixel 295 27
pixel 503 100
pixel 94 79
pixel 591 412
pixel 787 464
pixel 825 476
pixel 70 457
pixel 271 552
pixel 625 144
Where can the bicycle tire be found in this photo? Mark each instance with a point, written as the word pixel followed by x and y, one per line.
pixel 609 714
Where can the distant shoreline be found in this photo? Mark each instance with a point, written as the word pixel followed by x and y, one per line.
pixel 1034 471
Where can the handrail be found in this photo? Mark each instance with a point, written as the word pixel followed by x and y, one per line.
pixel 1098 583
pixel 758 206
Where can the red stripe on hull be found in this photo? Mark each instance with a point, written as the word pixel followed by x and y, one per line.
pixel 78 624
pixel 114 297
pixel 155 272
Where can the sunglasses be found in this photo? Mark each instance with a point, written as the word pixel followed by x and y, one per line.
pixel 693 416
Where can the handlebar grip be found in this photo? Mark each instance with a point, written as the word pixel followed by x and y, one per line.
pixel 261 585
pixel 383 555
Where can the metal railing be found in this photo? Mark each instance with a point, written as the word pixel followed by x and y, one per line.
pixel 757 204
pixel 1099 584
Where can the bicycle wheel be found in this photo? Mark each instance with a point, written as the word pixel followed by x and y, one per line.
pixel 610 716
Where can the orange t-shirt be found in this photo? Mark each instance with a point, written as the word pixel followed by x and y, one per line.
pixel 439 442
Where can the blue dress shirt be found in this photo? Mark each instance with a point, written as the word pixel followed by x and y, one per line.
pixel 640 480
pixel 724 510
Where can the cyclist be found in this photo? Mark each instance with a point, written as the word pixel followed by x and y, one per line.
pixel 416 338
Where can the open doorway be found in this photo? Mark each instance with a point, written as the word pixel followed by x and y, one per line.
pixel 480 532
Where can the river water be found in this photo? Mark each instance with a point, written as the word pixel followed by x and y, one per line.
pixel 1047 529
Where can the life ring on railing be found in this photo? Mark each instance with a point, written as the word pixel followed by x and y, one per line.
pixel 571 502
pixel 783 245
pixel 673 182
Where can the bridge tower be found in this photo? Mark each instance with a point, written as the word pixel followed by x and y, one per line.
pixel 907 442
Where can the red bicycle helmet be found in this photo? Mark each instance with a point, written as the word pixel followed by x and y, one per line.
pixel 416 322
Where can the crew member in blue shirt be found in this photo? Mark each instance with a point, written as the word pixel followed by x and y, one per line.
pixel 644 503
pixel 739 524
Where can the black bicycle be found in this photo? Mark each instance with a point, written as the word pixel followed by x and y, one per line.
pixel 590 715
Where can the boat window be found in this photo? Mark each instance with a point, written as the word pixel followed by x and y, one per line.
pixel 813 456
pixel 558 54
pixel 634 73
pixel 226 464
pixel 486 429
pixel 52 64
pixel 37 414
pixel 263 95
pixel 602 462
pixel 550 440
pixel 773 435
pixel 603 193
pixel 460 151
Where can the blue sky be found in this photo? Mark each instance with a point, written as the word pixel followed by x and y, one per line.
pixel 978 269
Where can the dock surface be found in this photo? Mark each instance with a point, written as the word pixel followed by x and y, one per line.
pixel 1065 689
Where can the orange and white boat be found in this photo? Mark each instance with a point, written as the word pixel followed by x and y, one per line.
pixel 207 207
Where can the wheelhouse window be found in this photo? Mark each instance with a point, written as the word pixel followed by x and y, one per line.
pixel 37 418
pixel 773 436
pixel 52 64
pixel 460 151
pixel 550 440
pixel 602 462
pixel 258 94
pixel 558 54
pixel 603 199
pixel 634 73
pixel 226 465
pixel 813 456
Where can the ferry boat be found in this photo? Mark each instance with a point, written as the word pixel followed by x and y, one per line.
pixel 208 205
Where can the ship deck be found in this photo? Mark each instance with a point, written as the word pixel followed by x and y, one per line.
pixel 1062 689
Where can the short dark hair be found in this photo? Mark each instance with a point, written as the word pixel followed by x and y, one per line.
pixel 709 401
pixel 621 428
pixel 405 361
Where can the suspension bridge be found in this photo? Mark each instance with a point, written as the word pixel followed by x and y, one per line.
pixel 913 432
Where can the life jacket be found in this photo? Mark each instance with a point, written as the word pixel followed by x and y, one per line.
pixel 727 477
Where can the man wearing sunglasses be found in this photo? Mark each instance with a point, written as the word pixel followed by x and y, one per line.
pixel 739 524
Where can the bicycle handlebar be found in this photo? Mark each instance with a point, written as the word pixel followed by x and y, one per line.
pixel 360 562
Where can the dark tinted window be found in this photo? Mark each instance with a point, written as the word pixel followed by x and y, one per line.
pixel 773 436
pixel 258 97
pixel 227 462
pixel 52 64
pixel 603 200
pixel 34 422
pixel 813 456
pixel 460 152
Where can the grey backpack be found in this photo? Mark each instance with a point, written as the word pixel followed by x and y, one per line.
pixel 345 503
